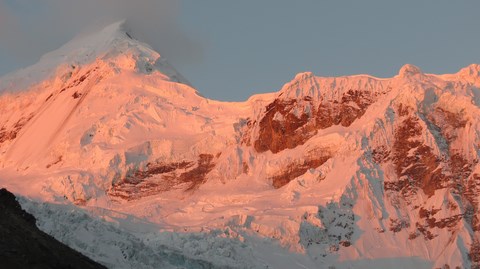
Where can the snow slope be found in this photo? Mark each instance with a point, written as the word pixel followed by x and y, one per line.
pixel 119 157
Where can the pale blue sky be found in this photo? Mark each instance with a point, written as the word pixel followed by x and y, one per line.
pixel 246 47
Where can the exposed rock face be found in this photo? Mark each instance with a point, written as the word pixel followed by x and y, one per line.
pixel 289 122
pixel 419 168
pixel 160 177
pixel 23 245
pixel 281 128
pixel 415 164
pixel 295 170
pixel 11 133
pixel 430 168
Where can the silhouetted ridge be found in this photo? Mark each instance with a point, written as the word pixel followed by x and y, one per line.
pixel 23 245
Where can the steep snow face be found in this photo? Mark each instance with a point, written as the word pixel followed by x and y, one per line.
pixel 415 149
pixel 348 171
pixel 108 115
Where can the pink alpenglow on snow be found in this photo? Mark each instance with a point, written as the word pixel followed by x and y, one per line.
pixel 119 157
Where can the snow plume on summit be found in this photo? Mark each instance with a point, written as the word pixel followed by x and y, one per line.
pixel 111 44
pixel 26 35
pixel 120 158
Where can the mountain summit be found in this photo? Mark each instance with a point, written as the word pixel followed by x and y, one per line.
pixel 112 44
pixel 118 156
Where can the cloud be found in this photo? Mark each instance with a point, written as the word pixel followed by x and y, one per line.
pixel 30 28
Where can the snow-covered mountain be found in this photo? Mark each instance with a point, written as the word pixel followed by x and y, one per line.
pixel 118 156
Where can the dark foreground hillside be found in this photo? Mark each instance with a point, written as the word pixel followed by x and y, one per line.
pixel 23 245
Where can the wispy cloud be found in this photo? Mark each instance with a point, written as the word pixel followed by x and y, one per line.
pixel 30 28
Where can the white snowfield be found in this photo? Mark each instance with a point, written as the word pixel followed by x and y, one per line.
pixel 119 157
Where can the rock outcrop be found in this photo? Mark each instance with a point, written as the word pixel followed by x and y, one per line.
pixel 23 245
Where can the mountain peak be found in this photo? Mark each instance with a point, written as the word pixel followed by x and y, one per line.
pixel 113 44
pixel 472 70
pixel 303 76
pixel 409 70
pixel 86 47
